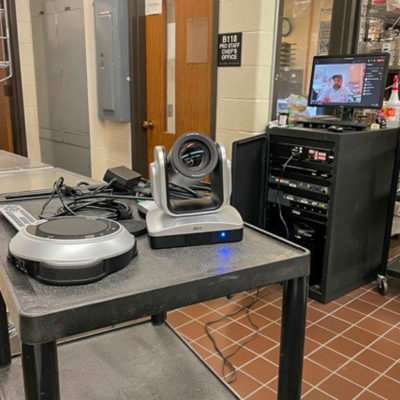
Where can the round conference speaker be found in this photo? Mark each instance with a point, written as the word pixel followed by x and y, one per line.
pixel 72 250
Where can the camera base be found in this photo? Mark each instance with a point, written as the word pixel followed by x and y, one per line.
pixel 165 231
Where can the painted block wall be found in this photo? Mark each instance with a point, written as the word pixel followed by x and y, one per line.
pixel 244 93
pixel 24 26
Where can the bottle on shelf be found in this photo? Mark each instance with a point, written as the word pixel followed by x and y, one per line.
pixel 382 118
pixel 393 106
pixel 375 125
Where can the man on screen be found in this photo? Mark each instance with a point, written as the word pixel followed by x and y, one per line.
pixel 338 93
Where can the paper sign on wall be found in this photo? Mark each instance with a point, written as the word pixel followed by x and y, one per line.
pixel 230 49
pixel 153 7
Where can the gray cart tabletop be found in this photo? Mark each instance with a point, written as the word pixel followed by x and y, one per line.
pixel 155 281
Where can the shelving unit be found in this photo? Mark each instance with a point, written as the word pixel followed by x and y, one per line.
pixel 377 12
pixel 378 32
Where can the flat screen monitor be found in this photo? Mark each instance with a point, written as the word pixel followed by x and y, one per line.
pixel 354 81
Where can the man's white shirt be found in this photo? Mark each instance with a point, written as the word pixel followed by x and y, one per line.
pixel 335 95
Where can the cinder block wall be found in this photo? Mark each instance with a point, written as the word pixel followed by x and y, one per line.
pixel 24 26
pixel 244 93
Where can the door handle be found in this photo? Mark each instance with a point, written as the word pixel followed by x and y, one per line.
pixel 148 124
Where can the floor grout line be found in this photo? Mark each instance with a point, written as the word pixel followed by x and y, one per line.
pixel 255 391
pixel 230 319
pixel 374 393
pixel 353 358
pixel 243 338
pixel 322 391
pixel 336 333
pixel 277 322
pixel 375 380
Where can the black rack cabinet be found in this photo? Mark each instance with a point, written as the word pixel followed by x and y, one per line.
pixel 335 197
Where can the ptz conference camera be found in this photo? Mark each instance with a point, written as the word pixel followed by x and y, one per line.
pixel 194 221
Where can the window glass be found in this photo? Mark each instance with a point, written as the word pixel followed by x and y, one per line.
pixel 305 33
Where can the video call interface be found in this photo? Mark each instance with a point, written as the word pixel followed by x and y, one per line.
pixel 348 81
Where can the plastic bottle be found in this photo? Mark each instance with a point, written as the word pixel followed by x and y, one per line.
pixel 382 119
pixel 393 106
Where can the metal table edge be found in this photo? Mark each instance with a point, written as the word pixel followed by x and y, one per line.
pixel 34 321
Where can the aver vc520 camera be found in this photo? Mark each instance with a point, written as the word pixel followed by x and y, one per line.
pixel 186 222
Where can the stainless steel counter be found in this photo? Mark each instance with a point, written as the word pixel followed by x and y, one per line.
pixel 23 180
pixel 14 162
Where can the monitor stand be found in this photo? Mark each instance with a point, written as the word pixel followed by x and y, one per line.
pixel 345 113
pixel 343 117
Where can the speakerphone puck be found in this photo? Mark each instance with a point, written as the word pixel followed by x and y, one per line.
pixel 72 250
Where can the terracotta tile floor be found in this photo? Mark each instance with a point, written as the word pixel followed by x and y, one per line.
pixel 352 349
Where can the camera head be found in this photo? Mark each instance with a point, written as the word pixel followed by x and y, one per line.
pixel 193 157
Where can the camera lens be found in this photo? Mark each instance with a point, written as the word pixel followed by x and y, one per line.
pixel 194 155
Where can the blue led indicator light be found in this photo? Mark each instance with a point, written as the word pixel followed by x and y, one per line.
pixel 223 235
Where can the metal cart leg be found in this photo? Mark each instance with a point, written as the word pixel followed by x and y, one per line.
pixel 159 319
pixel 5 355
pixel 40 368
pixel 292 339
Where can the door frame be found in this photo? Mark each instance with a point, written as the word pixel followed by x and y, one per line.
pixel 137 47
pixel 16 98
pixel 279 11
pixel 345 23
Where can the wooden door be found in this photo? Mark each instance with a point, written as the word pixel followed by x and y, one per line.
pixel 193 65
pixel 6 141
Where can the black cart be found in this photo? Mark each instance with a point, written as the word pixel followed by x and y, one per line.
pixel 139 361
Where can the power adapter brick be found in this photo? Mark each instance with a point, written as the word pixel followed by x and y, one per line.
pixel 125 178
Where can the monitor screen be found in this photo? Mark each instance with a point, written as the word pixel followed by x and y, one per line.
pixel 349 81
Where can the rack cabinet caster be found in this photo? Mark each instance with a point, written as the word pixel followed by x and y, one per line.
pixel 382 284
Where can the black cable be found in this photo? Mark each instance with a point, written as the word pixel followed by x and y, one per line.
pixel 115 196
pixel 225 358
pixel 105 187
pixel 183 189
pixel 176 191
pixel 104 198
pixel 277 195
pixel 205 185
pixel 83 183
pixel 116 209
pixel 61 198
pixel 60 181
pixel 100 199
